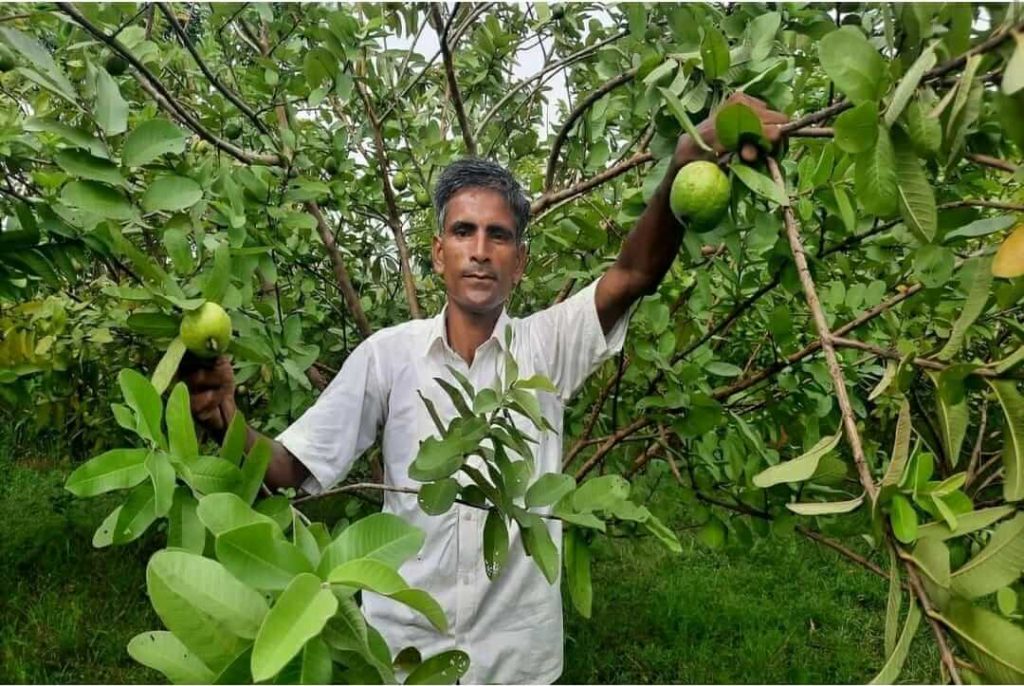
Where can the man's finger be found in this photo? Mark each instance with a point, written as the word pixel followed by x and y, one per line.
pixel 749 153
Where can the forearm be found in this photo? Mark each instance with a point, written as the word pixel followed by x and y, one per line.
pixel 284 470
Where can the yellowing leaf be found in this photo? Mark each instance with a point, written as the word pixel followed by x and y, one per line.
pixel 1009 260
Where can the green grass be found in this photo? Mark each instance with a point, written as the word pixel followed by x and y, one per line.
pixel 784 612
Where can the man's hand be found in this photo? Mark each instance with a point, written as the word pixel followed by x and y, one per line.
pixel 211 387
pixel 688 150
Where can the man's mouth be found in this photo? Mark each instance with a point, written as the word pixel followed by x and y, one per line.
pixel 479 277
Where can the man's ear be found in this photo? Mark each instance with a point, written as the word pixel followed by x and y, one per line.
pixel 437 254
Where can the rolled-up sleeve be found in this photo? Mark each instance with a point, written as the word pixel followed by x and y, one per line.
pixel 570 336
pixel 341 424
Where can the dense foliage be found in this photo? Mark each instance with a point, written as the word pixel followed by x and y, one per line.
pixel 840 357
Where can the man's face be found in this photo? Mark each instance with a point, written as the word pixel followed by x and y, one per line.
pixel 478 254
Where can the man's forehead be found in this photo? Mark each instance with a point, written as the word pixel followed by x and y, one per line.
pixel 479 205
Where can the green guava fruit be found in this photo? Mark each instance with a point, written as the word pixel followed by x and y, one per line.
pixel 233 130
pixel 399 182
pixel 700 195
pixel 206 331
pixel 422 198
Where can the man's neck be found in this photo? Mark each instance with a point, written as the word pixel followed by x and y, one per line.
pixel 467 331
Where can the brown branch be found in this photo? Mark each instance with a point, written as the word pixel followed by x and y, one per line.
pixel 922 362
pixel 843 550
pixel 993 162
pixel 972 465
pixel 609 444
pixel 166 100
pixel 227 92
pixel 449 70
pixel 578 111
pixel 548 199
pixel 933 617
pixel 394 220
pixel 348 292
pixel 825 335
pixel 813 132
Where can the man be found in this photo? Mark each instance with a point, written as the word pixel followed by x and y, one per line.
pixel 510 627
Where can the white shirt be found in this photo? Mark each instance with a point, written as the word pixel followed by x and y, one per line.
pixel 511 627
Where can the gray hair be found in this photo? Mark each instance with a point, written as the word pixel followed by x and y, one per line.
pixel 476 172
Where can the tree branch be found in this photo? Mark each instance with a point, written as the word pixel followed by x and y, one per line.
pixel 227 92
pixel 993 162
pixel 825 335
pixel 580 109
pixel 348 292
pixel 546 200
pixel 394 220
pixel 453 84
pixel 165 99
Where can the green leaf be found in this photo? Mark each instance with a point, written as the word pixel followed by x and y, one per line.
pixel 798 469
pixel 737 123
pixel 222 512
pixel 444 668
pixel 214 614
pixel 903 518
pixel 829 508
pixel 1013 73
pixel 103 537
pixel 495 543
pixel 233 447
pixel 759 183
pixel 925 131
pixel 113 470
pixel 171 193
pixel 150 140
pixel 577 571
pixel 908 84
pixel 714 54
pixel 856 130
pixel 83 165
pixel 140 395
pixel 254 470
pixel 995 644
pixel 853 64
pixel 1006 600
pixel 212 475
pixel 675 106
pixel 933 265
pixel 111 110
pixel 162 474
pixel 916 197
pixel 722 369
pixel 900 448
pixel 537 382
pixel 999 563
pixel 137 513
pixel 162 651
pixel 50 74
pixel 298 615
pixel 1013 438
pixel 438 497
pixel 257 555
pixel 875 177
pixel 977 275
pixel 97 199
pixel 951 403
pixel 894 665
pixel 384 537
pixel 181 433
pixel 538 544
pixel 549 489
pixel 168 366
pixel 220 276
pixel 982 227
pixel 375 576
pixel 77 137
pixel 762 31
pixel 600 493
pixel 892 606
pixel 966 523
pixel 663 534
pixel 184 529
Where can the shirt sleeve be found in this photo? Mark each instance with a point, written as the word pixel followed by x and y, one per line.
pixel 570 340
pixel 341 424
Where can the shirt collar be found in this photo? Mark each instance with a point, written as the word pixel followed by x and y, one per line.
pixel 438 335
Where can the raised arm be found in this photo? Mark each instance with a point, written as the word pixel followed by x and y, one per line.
pixel 649 249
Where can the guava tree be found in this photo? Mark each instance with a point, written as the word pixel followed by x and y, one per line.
pixel 838 358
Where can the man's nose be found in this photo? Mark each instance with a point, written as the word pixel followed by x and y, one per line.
pixel 480 249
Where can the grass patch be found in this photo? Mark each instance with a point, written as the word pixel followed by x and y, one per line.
pixel 784 612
